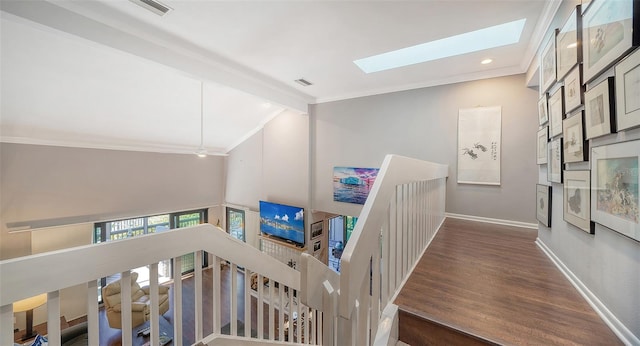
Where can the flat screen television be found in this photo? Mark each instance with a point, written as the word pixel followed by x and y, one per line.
pixel 284 222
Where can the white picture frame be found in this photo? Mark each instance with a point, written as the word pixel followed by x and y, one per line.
pixel 627 81
pixel 556 112
pixel 554 166
pixel 573 90
pixel 577 200
pixel 615 187
pixel 574 144
pixel 568 50
pixel 543 139
pixel 548 63
pixel 599 110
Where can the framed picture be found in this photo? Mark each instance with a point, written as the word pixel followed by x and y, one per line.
pixel 554 166
pixel 543 110
pixel 616 187
pixel 556 112
pixel 479 141
pixel 574 143
pixel 568 50
pixel 543 204
pixel 316 229
pixel 609 30
pixel 573 89
pixel 628 92
pixel 352 185
pixel 548 63
pixel 543 138
pixel 317 246
pixel 577 200
pixel 599 109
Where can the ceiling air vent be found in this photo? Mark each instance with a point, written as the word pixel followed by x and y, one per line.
pixel 303 82
pixel 153 6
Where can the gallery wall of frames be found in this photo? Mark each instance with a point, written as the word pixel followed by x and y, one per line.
pixel 582 100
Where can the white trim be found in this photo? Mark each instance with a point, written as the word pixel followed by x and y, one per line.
pixel 150 148
pixel 492 220
pixel 621 331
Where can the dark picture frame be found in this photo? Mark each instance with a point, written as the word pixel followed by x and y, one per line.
pixel 554 166
pixel 548 63
pixel 573 89
pixel 599 110
pixel 574 145
pixel 543 204
pixel 568 44
pixel 317 229
pixel 577 200
pixel 615 187
pixel 609 30
pixel 627 74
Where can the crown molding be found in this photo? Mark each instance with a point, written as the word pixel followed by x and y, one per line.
pixel 150 148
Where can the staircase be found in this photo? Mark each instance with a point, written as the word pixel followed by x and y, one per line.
pixel 398 221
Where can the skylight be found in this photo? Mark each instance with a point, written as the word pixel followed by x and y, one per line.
pixel 473 41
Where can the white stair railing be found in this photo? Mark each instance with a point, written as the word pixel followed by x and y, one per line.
pixel 398 221
pixel 53 271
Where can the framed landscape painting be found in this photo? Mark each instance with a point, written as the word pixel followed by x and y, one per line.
pixel 615 192
pixel 554 166
pixel 543 204
pixel 609 30
pixel 599 109
pixel 628 92
pixel 568 50
pixel 574 143
pixel 543 138
pixel 577 199
pixel 352 185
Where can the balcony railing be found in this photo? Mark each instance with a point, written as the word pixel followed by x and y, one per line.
pixel 399 219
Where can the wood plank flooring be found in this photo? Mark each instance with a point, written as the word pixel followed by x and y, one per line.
pixel 496 285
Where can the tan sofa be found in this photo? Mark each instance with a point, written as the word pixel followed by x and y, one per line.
pixel 140 302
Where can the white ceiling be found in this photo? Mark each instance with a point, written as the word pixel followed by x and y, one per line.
pixel 112 74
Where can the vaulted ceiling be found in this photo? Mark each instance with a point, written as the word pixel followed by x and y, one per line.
pixel 111 74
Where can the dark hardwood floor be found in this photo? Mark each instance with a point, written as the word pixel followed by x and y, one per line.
pixel 493 283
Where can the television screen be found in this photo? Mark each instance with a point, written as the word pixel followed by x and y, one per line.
pixel 282 221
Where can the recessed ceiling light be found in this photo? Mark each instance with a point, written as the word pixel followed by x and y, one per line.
pixel 486 61
pixel 266 105
pixel 473 41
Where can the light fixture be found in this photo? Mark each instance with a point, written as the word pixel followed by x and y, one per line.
pixel 473 41
pixel 28 305
pixel 201 152
pixel 486 61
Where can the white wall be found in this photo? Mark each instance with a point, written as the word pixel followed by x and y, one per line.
pixel 422 123
pixel 271 165
pixel 45 182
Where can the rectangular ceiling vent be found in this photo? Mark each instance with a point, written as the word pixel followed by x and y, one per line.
pixel 303 82
pixel 153 6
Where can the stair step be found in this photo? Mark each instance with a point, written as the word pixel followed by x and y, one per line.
pixel 419 330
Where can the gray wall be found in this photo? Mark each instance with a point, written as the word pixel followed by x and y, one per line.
pixel 44 182
pixel 607 263
pixel 423 124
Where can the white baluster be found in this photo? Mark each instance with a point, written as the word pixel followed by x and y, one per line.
pixel 125 301
pixel 271 311
pixel 6 324
pixel 177 301
pixel 281 308
pixel 260 314
pixel 155 302
pixel 197 269
pixel 247 303
pixel 92 313
pixel 216 292
pixel 234 299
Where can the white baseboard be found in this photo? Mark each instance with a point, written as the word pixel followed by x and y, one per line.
pixel 491 220
pixel 609 318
